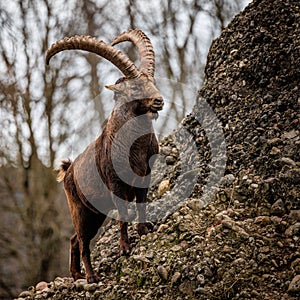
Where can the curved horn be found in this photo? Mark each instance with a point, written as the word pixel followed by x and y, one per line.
pixel 144 46
pixel 88 43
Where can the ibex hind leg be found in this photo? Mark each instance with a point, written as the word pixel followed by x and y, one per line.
pixel 86 230
pixel 86 224
pixel 75 258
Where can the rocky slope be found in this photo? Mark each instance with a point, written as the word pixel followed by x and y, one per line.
pixel 244 244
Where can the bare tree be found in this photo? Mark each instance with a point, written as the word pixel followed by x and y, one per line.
pixel 35 122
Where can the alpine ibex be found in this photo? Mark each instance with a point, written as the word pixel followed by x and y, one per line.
pixel 115 168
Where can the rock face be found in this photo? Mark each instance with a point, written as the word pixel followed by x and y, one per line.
pixel 245 243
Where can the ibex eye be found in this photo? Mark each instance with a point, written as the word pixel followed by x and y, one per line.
pixel 135 88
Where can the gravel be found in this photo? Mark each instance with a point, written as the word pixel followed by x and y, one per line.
pixel 243 243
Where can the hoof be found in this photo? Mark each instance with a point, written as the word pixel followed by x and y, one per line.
pixel 124 248
pixel 142 229
pixel 92 278
pixel 77 276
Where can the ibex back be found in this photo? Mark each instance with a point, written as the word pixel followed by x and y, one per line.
pixel 115 168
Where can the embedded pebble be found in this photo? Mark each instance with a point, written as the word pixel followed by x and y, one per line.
pixel 42 285
pixel 162 272
pixel 294 286
pixel 176 277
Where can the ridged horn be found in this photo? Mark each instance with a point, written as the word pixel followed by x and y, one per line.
pixel 91 44
pixel 144 46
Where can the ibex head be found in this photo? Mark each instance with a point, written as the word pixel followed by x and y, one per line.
pixel 138 85
pixel 140 93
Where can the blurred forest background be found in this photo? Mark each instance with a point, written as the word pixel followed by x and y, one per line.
pixel 51 113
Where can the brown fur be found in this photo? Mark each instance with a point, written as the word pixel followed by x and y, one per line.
pixel 82 183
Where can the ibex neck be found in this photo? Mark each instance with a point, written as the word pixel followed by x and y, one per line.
pixel 119 119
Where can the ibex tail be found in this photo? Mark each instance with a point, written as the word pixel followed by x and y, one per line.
pixel 62 169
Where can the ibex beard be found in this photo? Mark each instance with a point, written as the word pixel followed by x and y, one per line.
pixel 115 168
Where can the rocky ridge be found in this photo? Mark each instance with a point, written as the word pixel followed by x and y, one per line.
pixel 244 244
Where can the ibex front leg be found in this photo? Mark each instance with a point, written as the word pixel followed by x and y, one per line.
pixel 141 198
pixel 124 244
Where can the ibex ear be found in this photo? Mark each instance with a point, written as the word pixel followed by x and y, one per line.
pixel 112 87
pixel 117 88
